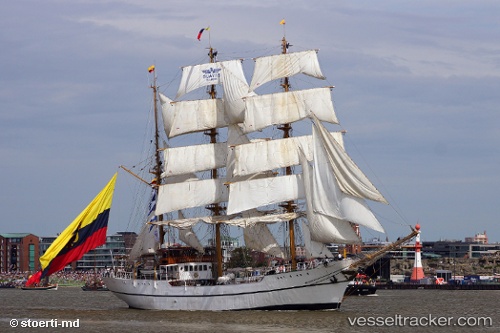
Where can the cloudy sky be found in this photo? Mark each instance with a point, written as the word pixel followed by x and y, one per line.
pixel 417 89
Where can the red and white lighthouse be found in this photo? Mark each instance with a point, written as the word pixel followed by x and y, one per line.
pixel 418 272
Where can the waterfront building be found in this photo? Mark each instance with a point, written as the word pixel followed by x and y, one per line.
pixel 19 252
pixel 478 238
pixel 228 245
pixel 104 256
pixel 459 249
pixel 129 238
pixel 44 244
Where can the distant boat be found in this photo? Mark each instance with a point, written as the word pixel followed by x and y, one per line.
pixel 94 287
pixel 360 286
pixel 43 287
pixel 95 284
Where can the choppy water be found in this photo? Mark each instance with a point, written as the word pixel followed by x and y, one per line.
pixel 103 312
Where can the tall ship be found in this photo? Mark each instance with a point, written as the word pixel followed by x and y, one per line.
pixel 228 164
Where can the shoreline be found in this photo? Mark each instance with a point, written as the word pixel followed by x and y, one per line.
pixel 406 286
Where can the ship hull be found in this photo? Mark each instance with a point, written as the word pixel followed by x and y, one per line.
pixel 315 289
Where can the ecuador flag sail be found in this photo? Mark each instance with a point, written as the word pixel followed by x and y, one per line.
pixel 85 233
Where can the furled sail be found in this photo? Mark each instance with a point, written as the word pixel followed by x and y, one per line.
pixel 351 179
pixel 244 221
pixel 283 65
pixel 287 107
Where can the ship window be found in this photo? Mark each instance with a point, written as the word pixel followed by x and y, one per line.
pixel 190 268
pixel 204 267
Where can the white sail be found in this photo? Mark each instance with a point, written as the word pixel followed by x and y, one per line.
pixel 235 89
pixel 197 76
pixel 314 249
pixel 324 228
pixel 287 107
pixel 190 238
pixel 255 193
pixel 191 116
pixel 235 137
pixel 329 200
pixel 167 112
pixel 194 77
pixel 190 159
pixel 258 237
pixel 351 179
pixel 147 242
pixel 283 65
pixel 172 197
pixel 266 155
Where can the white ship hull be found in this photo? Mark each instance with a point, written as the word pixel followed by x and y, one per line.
pixel 320 288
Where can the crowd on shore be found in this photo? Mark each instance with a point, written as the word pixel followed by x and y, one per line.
pixel 77 278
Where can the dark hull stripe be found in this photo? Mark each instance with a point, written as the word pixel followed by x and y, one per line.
pixel 285 307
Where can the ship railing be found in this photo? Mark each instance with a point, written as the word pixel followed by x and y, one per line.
pixel 147 275
pixel 249 279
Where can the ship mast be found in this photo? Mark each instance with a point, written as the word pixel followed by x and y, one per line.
pixel 157 167
pixel 215 208
pixel 289 206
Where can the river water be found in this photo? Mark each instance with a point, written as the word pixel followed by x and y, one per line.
pixel 389 311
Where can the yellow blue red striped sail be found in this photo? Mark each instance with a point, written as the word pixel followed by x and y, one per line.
pixel 85 233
